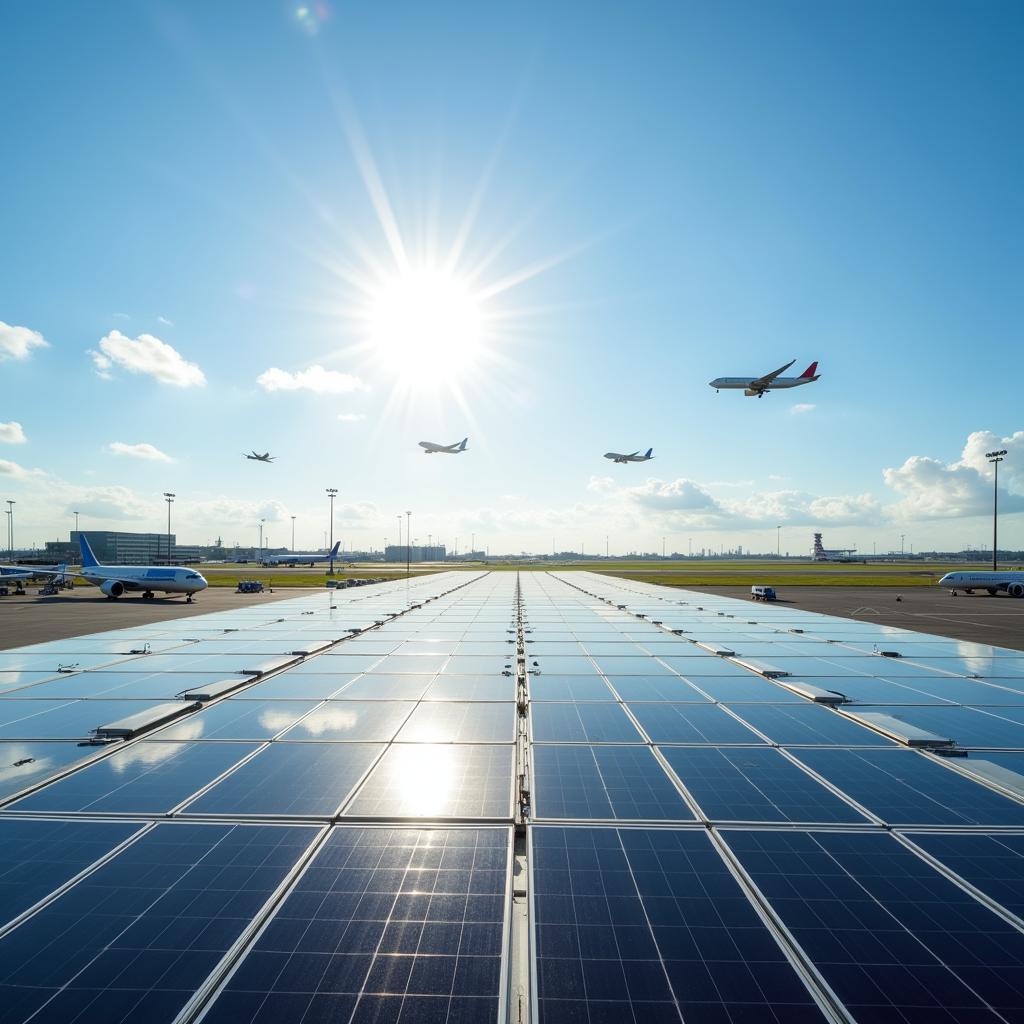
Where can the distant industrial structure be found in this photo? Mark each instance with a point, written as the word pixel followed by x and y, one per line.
pixel 415 553
pixel 822 554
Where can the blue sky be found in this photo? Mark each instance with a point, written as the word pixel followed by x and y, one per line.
pixel 644 197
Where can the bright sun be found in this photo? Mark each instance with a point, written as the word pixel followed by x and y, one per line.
pixel 426 326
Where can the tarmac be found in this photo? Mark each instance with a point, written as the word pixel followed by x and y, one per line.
pixel 995 620
pixel 32 619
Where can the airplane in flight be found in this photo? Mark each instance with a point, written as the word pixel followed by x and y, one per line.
pixel 755 387
pixel 633 457
pixel 256 457
pixel 444 449
pixel 303 558
pixel 1012 581
pixel 115 580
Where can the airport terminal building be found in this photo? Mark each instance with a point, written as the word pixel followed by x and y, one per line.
pixel 116 548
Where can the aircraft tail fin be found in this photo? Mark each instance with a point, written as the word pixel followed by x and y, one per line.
pixel 647 454
pixel 334 551
pixel 88 558
pixel 462 447
pixel 811 370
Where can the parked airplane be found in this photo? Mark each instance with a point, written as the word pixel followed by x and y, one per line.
pixel 444 449
pixel 255 457
pixel 634 457
pixel 303 558
pixel 114 580
pixel 756 386
pixel 1012 581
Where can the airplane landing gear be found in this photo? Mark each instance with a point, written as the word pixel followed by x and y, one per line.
pixel 149 595
pixel 188 599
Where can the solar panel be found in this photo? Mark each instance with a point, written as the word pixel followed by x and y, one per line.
pixel 40 856
pixel 650 925
pixel 135 938
pixel 391 924
pixel 893 937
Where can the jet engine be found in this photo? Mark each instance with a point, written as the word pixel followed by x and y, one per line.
pixel 752 392
pixel 1015 590
pixel 112 588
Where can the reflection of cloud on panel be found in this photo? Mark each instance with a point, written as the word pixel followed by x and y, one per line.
pixel 328 720
pixel 274 721
pixel 151 754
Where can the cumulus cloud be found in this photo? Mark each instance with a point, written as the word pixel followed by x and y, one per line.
pixel 148 355
pixel 11 433
pixel 165 321
pixel 933 489
pixel 12 469
pixel 113 502
pixel 350 417
pixel 315 379
pixel 18 342
pixel 802 407
pixel 139 451
pixel 672 496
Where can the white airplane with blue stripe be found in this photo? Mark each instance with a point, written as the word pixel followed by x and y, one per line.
pixel 115 580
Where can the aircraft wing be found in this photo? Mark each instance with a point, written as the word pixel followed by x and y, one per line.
pixel 769 377
pixel 35 570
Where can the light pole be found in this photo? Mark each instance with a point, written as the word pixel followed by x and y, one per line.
pixel 293 535
pixel 76 525
pixel 259 557
pixel 778 541
pixel 169 498
pixel 903 537
pixel 994 458
pixel 331 492
pixel 10 527
pixel 408 546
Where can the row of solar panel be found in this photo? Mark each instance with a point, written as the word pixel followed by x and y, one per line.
pixel 425 719
pixel 127 922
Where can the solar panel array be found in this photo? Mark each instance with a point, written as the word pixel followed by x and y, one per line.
pixel 510 797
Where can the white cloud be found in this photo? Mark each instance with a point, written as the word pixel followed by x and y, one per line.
pixel 933 489
pixel 601 484
pixel 350 417
pixel 316 379
pixel 146 354
pixel 11 433
pixel 675 495
pixel 139 451
pixel 802 407
pixel 12 469
pixel 18 342
pixel 113 502
pixel 165 321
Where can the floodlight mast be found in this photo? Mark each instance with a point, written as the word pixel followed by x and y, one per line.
pixel 995 458
pixel 169 498
pixel 331 492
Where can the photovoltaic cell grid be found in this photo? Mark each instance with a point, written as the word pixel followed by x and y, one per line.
pixel 302 811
